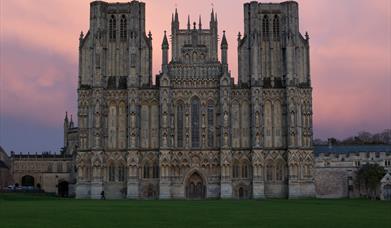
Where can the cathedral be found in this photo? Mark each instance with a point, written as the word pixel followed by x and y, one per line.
pixel 194 133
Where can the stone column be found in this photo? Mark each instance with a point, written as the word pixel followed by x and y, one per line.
pixel 133 175
pixel 258 174
pixel 165 182
pixel 225 152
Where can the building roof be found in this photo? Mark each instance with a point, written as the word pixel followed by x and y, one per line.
pixel 344 149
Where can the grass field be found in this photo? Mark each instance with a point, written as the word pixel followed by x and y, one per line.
pixel 42 211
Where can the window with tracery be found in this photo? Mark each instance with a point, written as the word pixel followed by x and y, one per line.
pixel 123 32
pixel 112 28
pixel 265 27
pixel 276 28
pixel 111 173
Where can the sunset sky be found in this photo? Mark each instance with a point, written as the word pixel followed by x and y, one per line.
pixel 350 43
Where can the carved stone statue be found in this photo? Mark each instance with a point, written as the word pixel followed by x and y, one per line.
pixel 225 118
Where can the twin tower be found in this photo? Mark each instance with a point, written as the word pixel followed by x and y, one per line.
pixel 194 134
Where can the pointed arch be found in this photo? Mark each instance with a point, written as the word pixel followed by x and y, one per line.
pixel 276 27
pixel 265 27
pixel 112 28
pixel 179 123
pixel 123 28
pixel 195 122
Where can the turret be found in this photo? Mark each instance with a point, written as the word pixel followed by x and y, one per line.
pixel 66 127
pixel 224 47
pixel 213 29
pixel 175 22
pixel 71 124
pixel 188 22
pixel 165 48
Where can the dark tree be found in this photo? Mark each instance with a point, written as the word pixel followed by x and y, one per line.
pixel 369 176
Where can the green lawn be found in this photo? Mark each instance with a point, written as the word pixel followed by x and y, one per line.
pixel 43 211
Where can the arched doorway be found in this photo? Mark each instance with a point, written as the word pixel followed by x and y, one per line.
pixel 27 180
pixel 195 187
pixel 387 192
pixel 241 193
pixel 63 188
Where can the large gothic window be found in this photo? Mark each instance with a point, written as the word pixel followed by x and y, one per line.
pixel 112 27
pixel 210 124
pixel 276 28
pixel 123 31
pixel 265 27
pixel 179 130
pixel 195 122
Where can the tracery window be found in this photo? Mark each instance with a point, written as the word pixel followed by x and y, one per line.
pixel 210 115
pixel 180 125
pixel 195 122
pixel 111 173
pixel 121 173
pixel 112 28
pixel 265 27
pixel 123 32
pixel 276 28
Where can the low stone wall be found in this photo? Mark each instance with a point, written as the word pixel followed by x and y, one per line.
pixel 331 183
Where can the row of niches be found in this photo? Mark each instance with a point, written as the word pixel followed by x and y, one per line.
pixel 191 71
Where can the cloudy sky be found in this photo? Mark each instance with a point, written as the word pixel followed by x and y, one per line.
pixel 350 62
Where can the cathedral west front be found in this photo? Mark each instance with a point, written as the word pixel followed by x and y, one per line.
pixel 194 133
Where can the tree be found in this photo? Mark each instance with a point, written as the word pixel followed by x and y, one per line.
pixel 369 176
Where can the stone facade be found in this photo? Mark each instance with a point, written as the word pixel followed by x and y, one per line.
pixel 335 171
pixel 48 172
pixel 194 133
pixel 5 173
pixel 52 173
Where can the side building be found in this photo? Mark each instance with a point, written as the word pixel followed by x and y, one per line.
pixel 52 173
pixel 336 167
